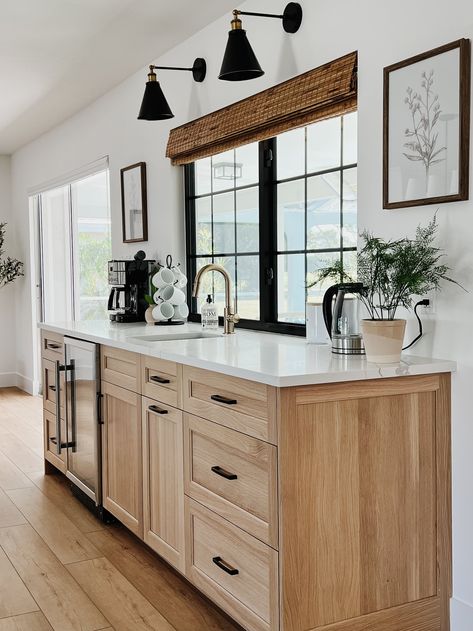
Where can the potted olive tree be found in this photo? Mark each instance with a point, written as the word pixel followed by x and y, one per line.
pixel 392 273
pixel 10 269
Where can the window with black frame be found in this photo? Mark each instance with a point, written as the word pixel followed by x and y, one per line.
pixel 272 213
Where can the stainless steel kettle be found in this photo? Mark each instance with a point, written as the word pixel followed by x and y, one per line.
pixel 342 319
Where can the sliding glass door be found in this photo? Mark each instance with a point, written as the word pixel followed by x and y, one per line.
pixel 75 245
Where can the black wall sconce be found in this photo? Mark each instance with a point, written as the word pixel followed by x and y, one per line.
pixel 239 62
pixel 154 106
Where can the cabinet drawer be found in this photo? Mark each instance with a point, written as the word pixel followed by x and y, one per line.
pixel 50 387
pixel 120 368
pixel 50 440
pixel 246 406
pixel 161 380
pixel 238 572
pixel 234 475
pixel 52 346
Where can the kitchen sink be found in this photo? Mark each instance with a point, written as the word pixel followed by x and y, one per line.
pixel 169 337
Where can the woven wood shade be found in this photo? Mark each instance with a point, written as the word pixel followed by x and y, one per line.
pixel 323 92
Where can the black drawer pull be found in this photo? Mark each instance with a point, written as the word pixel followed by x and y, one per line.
pixel 225 474
pixel 156 410
pixel 53 440
pixel 220 399
pixel 53 346
pixel 225 567
pixel 53 388
pixel 159 379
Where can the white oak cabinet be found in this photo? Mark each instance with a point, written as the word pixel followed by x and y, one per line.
pixel 122 466
pixel 163 481
pixel 309 508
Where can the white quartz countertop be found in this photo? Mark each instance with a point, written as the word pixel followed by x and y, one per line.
pixel 276 360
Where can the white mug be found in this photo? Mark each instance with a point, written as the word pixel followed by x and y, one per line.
pixel 181 312
pixel 164 277
pixel 172 294
pixel 180 278
pixel 163 311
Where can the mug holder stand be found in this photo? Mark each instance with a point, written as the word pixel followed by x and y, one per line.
pixel 168 322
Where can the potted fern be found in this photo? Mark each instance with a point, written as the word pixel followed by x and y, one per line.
pixel 10 269
pixel 392 273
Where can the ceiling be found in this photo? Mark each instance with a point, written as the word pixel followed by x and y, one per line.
pixel 57 56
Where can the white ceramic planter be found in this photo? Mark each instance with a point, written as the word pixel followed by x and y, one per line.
pixel 149 315
pixel 383 340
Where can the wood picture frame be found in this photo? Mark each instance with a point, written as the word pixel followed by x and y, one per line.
pixel 426 127
pixel 134 203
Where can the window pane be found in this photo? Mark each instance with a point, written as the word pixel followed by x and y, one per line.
pixel 224 223
pixel 291 288
pixel 248 287
pixel 291 216
pixel 202 176
pixel 350 138
pixel 93 246
pixel 247 216
pixel 223 171
pixel 56 260
pixel 291 154
pixel 203 226
pixel 206 284
pixel 324 145
pixel 246 165
pixel 314 263
pixel 228 262
pixel 350 192
pixel 349 263
pixel 323 211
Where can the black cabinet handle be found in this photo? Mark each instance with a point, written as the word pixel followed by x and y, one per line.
pixel 159 379
pixel 225 474
pixel 53 346
pixel 225 567
pixel 220 399
pixel 53 388
pixel 154 408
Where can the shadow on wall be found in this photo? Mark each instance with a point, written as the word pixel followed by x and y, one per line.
pixel 195 106
pixel 287 65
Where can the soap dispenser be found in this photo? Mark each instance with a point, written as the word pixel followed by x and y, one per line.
pixel 209 314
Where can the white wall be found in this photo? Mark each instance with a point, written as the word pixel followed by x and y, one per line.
pixel 330 29
pixel 7 294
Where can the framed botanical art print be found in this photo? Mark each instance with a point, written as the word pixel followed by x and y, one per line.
pixel 134 203
pixel 426 144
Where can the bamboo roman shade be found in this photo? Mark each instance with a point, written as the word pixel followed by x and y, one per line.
pixel 323 92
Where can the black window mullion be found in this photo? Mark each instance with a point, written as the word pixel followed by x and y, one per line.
pixel 191 263
pixel 268 231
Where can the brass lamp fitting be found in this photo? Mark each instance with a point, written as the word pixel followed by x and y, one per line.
pixel 236 22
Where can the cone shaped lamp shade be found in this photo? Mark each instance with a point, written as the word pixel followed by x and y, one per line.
pixel 154 106
pixel 239 62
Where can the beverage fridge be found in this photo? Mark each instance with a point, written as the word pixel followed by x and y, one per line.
pixel 82 441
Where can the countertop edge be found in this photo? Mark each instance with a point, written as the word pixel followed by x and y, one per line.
pixel 372 371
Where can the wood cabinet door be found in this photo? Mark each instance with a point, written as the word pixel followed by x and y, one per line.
pixel 364 477
pixel 163 481
pixel 122 469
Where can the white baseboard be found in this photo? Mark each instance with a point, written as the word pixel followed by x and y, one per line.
pixel 461 615
pixel 8 379
pixel 14 379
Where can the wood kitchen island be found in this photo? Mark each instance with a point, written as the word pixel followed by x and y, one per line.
pixel 296 490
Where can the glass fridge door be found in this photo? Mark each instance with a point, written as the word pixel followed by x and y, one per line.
pixel 83 430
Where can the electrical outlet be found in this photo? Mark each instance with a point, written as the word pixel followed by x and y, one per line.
pixel 429 309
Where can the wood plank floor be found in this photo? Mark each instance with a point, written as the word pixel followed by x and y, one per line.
pixel 60 568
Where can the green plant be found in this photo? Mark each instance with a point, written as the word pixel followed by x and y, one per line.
pixel 394 271
pixel 10 269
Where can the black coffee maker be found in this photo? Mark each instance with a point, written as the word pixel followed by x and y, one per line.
pixel 129 282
